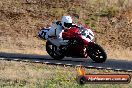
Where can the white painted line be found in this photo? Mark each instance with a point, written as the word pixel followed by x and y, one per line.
pixel 109 68
pixel 2 58
pixel 58 63
pixel 118 69
pixel 129 70
pixel 26 60
pixel 90 66
pixel 69 64
pixel 37 61
pixel 46 62
pixel 15 59
pixel 99 67
pixel 78 65
pixel 66 64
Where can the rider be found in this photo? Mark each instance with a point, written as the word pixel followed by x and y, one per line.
pixel 55 33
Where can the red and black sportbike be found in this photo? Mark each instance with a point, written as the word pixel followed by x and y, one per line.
pixel 79 43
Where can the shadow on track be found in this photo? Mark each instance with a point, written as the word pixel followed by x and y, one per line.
pixel 110 63
pixel 30 57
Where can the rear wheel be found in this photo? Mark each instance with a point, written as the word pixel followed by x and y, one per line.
pixel 96 53
pixel 51 50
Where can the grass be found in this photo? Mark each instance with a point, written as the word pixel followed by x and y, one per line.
pixel 25 75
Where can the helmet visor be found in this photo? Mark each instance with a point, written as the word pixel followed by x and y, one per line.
pixel 68 25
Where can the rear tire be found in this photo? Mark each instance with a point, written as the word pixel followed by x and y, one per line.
pixel 50 48
pixel 96 52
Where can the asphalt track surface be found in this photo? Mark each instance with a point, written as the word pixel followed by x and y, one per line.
pixel 87 62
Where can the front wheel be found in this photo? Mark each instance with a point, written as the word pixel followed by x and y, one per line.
pixel 96 53
pixel 51 50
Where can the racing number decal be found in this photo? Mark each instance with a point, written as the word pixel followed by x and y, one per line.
pixel 43 33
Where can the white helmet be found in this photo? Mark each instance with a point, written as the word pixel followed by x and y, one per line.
pixel 66 22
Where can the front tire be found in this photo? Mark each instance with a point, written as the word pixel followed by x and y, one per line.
pixel 50 48
pixel 96 53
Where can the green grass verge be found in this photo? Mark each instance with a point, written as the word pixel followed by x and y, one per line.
pixel 34 75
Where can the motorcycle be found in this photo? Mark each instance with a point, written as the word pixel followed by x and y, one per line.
pixel 78 43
